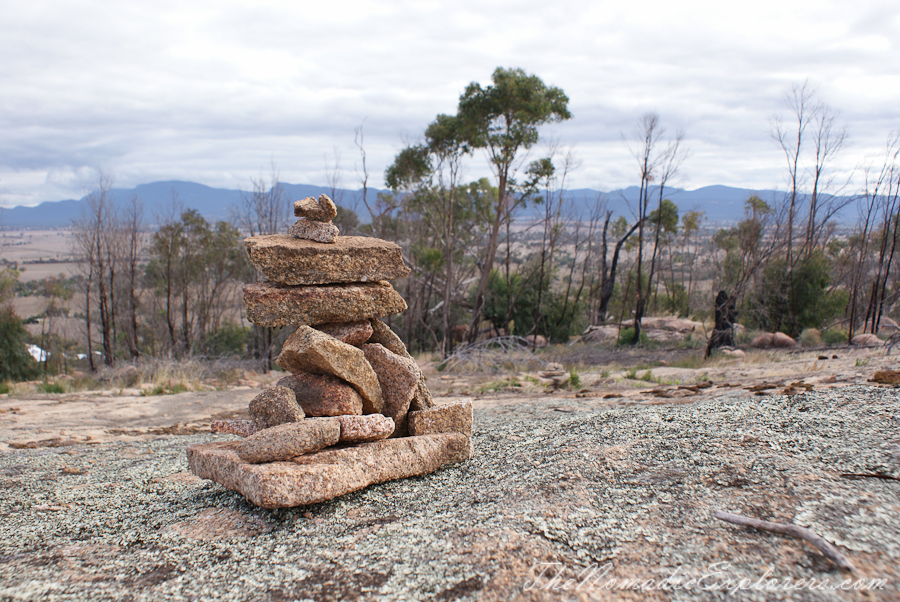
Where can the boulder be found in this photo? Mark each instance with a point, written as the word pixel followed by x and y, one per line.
pixel 762 341
pixel 326 474
pixel 866 340
pixel 773 340
pixel 398 377
pixel 272 305
pixel 782 341
pixel 275 406
pixel 322 209
pixel 323 395
pixel 286 441
pixel 312 351
pixel 284 259
pixel 308 229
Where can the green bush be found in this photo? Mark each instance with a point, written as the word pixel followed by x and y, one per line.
pixel 16 363
pixel 47 387
pixel 626 337
pixel 834 336
pixel 229 340
pixel 4 388
pixel 811 338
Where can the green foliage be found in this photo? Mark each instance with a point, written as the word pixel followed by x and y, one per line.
pixel 805 295
pixel 346 220
pixel 16 363
pixel 505 116
pixel 626 337
pixel 48 387
pixel 669 220
pixel 4 388
pixel 557 319
pixel 810 337
pixel 834 336
pixel 574 380
pixel 230 340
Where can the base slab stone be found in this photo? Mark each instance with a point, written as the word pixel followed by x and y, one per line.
pixel 324 475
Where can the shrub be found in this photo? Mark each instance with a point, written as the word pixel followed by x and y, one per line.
pixel 48 387
pixel 626 337
pixel 229 340
pixel 811 338
pixel 834 336
pixel 15 362
pixel 4 388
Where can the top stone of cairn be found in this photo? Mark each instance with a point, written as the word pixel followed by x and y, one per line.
pixel 320 210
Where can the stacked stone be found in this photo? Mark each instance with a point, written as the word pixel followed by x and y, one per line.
pixel 355 409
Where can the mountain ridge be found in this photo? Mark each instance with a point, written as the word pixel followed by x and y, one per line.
pixel 721 204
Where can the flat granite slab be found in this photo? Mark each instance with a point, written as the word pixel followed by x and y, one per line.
pixel 284 259
pixel 273 305
pixel 326 474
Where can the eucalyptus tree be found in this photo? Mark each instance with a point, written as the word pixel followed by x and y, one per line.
pixel 429 176
pixel 503 119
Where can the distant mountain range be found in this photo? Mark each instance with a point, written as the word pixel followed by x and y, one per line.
pixel 721 204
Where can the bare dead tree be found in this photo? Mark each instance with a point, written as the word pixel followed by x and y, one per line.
pixel 647 135
pixel 801 103
pixel 265 210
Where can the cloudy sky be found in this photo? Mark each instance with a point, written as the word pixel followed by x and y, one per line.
pixel 215 92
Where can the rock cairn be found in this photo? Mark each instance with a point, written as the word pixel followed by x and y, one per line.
pixel 354 410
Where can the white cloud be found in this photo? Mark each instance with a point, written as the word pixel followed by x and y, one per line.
pixel 215 91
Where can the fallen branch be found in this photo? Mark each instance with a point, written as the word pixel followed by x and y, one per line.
pixel 828 550
pixel 868 475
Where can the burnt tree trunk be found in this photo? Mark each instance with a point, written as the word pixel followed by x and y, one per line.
pixel 723 332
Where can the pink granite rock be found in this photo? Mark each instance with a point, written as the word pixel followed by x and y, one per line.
pixel 241 428
pixel 323 395
pixel 322 209
pixel 383 335
pixel 291 261
pixel 308 229
pixel 455 417
pixel 275 406
pixel 352 333
pixel 371 427
pixel 309 350
pixel 323 475
pixel 286 441
pixel 273 305
pixel 398 377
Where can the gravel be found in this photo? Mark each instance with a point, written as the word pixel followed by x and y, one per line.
pixel 549 494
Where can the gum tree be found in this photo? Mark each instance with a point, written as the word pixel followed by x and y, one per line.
pixel 503 119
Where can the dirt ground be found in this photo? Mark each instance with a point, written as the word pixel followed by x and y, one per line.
pixel 609 475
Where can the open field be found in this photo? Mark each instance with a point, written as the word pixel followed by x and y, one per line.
pixel 620 473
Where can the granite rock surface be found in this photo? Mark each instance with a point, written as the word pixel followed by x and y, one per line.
pixel 272 305
pixel 309 350
pixel 275 406
pixel 323 394
pixel 371 427
pixel 324 475
pixel 284 259
pixel 309 229
pixel 286 441
pixel 321 209
pixel 398 377
pixel 453 417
